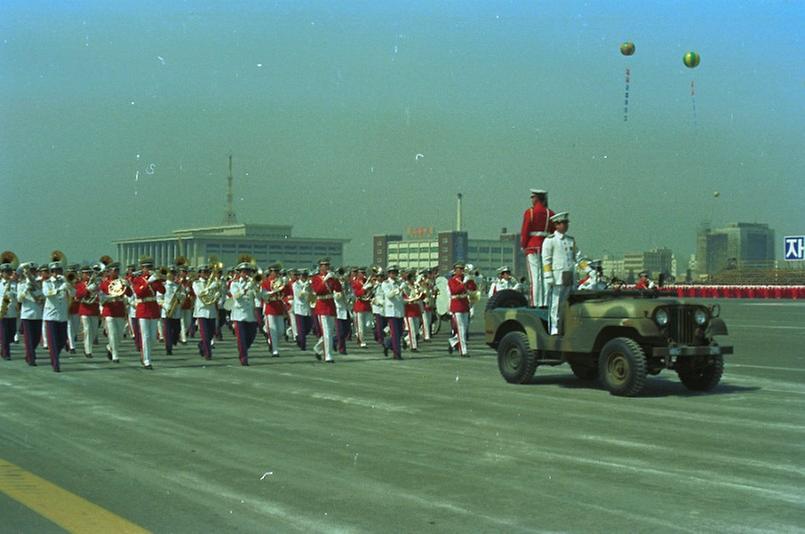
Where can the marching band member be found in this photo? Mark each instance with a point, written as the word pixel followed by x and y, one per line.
pixel 273 287
pixel 32 301
pixel 536 227
pixel 57 292
pixel 8 309
pixel 428 285
pixel 73 319
pixel 131 308
pixel 86 293
pixel 301 308
pixel 503 281
pixel 207 289
pixel 324 285
pixel 559 258
pixel 113 310
pixel 460 286
pixel 171 310
pixel 393 311
pixel 412 298
pixel 288 298
pixel 186 308
pixel 342 306
pixel 243 290
pixel 145 288
pixel 379 305
pixel 594 279
pixel 363 289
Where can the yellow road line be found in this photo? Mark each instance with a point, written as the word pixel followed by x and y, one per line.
pixel 66 509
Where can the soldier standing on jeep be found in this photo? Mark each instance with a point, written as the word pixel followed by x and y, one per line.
pixel 559 260
pixel 536 228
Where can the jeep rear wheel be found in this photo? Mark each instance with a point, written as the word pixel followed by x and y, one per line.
pixel 701 374
pixel 516 361
pixel 622 367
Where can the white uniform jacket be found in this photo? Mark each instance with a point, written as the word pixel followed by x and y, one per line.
pixel 32 301
pixel 57 292
pixel 559 256
pixel 393 304
pixel 200 288
pixel 243 297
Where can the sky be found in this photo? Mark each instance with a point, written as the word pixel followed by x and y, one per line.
pixel 116 119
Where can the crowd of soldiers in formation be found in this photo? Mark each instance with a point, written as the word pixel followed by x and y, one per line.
pixel 47 305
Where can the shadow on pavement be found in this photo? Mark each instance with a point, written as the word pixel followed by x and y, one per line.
pixel 655 387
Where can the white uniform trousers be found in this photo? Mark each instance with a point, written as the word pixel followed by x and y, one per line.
pixel 412 327
pixel 44 337
pixel 362 322
pixel 89 325
pixel 148 336
pixel 537 296
pixel 186 320
pixel 558 294
pixel 426 320
pixel 275 328
pixel 73 320
pixel 324 346
pixel 114 331
pixel 292 320
pixel 461 323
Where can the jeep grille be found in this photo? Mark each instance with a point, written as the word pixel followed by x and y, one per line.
pixel 681 324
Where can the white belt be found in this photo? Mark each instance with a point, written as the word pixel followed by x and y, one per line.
pixel 538 234
pixel 323 297
pixel 146 299
pixel 460 296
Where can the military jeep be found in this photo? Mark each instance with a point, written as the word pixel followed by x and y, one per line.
pixel 616 336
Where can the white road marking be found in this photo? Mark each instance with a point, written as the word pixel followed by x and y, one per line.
pixel 798 369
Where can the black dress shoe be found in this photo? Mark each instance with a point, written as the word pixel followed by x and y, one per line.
pixel 88 355
pixel 386 351
pixel 108 354
pixel 32 364
pixel 6 358
pixel 169 352
pixel 149 367
pixel 244 364
pixel 449 348
pixel 72 351
pixel 56 370
pixel 329 361
pixel 318 356
pixel 115 361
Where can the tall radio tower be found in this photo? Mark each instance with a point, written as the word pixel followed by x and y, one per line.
pixel 229 216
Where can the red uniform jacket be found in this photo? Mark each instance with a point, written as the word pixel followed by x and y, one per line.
pixel 274 304
pixel 363 303
pixel 187 303
pixel 146 293
pixel 287 295
pixel 324 294
pixel 536 220
pixel 82 295
pixel 412 308
pixel 113 307
pixel 459 293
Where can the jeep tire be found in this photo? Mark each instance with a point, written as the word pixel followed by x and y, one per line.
pixel 622 367
pixel 700 374
pixel 516 361
pixel 507 298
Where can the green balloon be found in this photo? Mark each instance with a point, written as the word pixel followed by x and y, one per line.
pixel 627 48
pixel 691 60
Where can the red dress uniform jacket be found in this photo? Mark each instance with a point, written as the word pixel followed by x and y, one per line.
pixel 536 220
pixel 146 293
pixel 274 304
pixel 82 295
pixel 187 303
pixel 72 309
pixel 113 307
pixel 459 294
pixel 412 308
pixel 362 302
pixel 324 294
pixel 287 295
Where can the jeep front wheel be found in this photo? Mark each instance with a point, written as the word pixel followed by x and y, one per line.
pixel 701 374
pixel 622 367
pixel 516 361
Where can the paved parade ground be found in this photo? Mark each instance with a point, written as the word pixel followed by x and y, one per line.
pixel 432 443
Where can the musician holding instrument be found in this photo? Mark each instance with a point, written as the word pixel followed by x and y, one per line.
pixel 8 307
pixel 379 305
pixel 243 290
pixel 288 298
pixel 412 297
pixel 274 308
pixel 186 314
pixel 172 310
pixel 32 303
pixel 302 296
pixel 58 292
pixel 207 289
pixel 114 293
pixel 364 290
pixel 145 288
pixel 342 308
pixel 460 287
pixel 86 293
pixel 325 284
pixel 393 311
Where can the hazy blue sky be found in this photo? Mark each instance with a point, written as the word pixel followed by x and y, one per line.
pixel 325 106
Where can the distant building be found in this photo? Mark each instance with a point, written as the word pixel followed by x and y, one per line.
pixel 737 245
pixel 265 243
pixel 448 247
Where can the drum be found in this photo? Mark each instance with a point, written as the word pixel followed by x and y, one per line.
pixel 443 297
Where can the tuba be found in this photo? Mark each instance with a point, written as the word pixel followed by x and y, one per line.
pixel 59 257
pixel 116 288
pixel 11 258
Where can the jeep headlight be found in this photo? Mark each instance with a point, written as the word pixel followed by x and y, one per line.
pixel 661 317
pixel 700 317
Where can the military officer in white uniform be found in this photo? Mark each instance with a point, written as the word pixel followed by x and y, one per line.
pixel 57 294
pixel 559 262
pixel 32 302
pixel 393 311
pixel 207 289
pixel 301 308
pixel 171 310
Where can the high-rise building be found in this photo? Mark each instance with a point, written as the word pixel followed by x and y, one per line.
pixel 737 245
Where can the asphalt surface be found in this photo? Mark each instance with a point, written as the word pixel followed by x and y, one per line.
pixel 432 443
